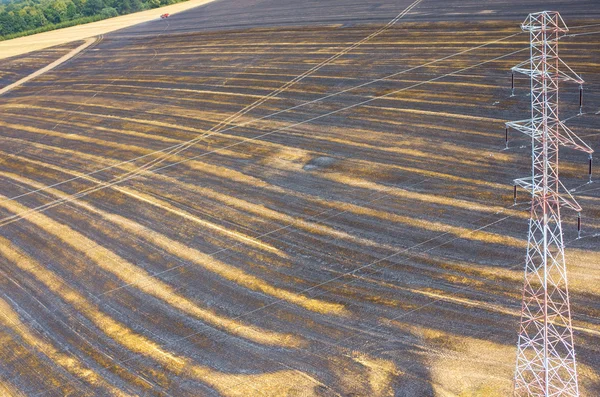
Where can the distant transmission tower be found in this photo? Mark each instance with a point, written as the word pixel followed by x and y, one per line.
pixel 545 353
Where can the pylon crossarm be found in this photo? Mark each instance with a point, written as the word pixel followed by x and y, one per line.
pixel 528 184
pixel 524 126
pixel 574 77
pixel 569 139
pixel 528 127
pixel 569 203
pixel 564 198
pixel 523 67
pixel 566 138
pixel 567 199
pixel 525 71
pixel 550 73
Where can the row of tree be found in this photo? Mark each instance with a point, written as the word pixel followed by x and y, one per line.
pixel 20 17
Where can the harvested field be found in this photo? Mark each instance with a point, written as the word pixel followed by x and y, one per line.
pixel 352 235
pixel 15 68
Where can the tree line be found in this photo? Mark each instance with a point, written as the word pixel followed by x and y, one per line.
pixel 23 17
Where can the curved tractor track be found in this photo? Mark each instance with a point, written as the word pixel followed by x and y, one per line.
pixel 243 203
pixel 87 43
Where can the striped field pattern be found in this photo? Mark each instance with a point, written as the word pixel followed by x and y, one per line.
pixel 352 234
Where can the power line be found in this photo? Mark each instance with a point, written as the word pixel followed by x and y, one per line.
pixel 266 117
pixel 85 192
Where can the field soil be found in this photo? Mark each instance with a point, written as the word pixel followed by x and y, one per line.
pixel 281 207
pixel 15 68
pixel 86 43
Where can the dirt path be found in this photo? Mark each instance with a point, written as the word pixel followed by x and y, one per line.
pixel 23 45
pixel 50 66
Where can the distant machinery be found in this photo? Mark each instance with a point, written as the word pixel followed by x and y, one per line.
pixel 546 364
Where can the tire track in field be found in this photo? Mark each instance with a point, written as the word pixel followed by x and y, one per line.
pixel 58 62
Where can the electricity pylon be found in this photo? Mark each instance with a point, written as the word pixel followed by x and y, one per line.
pixel 546 363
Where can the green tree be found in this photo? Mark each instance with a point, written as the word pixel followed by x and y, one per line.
pixel 71 12
pixel 51 14
pixel 108 12
pixel 128 6
pixel 21 17
pixel 60 6
pixel 93 7
pixel 79 4
pixel 35 17
pixel 7 24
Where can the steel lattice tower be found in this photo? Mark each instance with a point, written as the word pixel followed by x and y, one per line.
pixel 546 363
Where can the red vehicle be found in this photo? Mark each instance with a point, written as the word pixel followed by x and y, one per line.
pixel 164 16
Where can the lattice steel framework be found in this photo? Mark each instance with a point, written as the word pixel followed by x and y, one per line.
pixel 546 364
